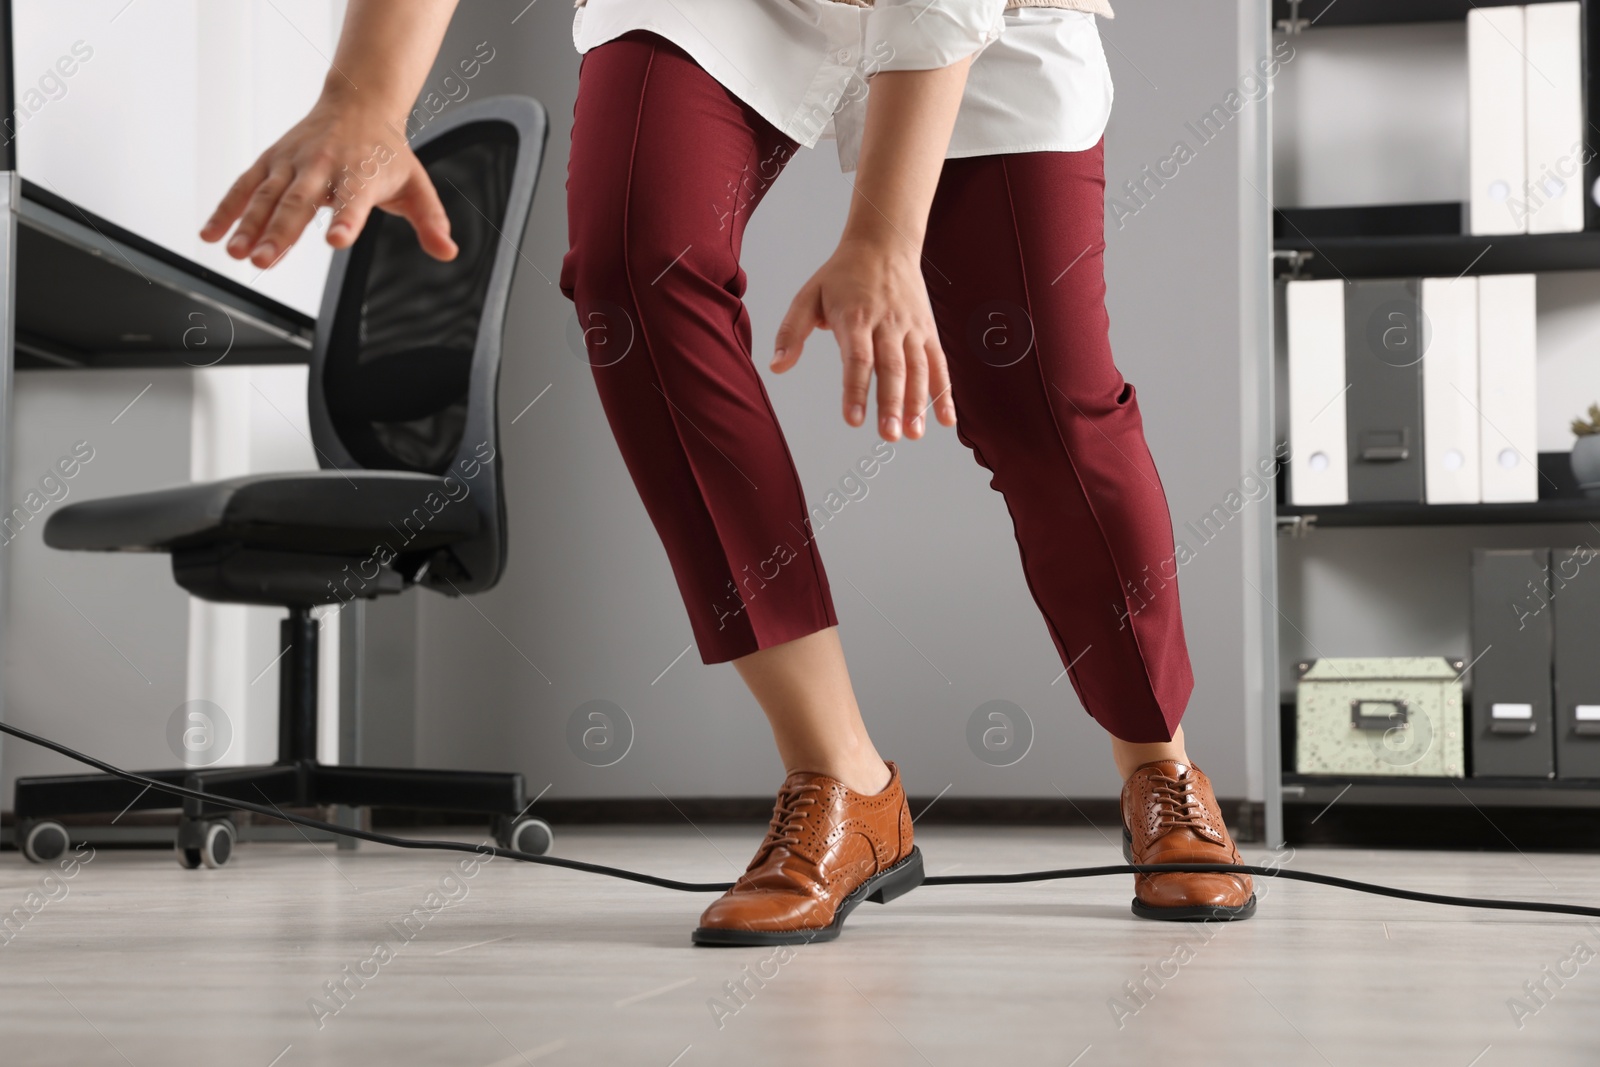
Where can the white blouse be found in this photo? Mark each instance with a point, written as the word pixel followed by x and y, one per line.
pixel 1039 82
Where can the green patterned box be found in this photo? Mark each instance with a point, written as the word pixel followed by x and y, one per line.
pixel 1387 715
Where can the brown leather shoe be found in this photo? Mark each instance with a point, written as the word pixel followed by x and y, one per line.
pixel 1170 815
pixel 828 848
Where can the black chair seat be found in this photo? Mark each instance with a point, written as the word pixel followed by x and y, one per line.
pixel 327 512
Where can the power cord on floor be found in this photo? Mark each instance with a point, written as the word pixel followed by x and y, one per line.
pixel 718 887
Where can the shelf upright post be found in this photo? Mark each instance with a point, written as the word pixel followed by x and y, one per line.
pixel 1591 114
pixel 1258 288
pixel 10 194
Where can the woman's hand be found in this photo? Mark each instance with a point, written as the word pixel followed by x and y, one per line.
pixel 343 155
pixel 871 294
pixel 350 152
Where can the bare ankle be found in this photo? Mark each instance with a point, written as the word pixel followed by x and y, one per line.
pixel 870 781
pixel 1130 756
pixel 866 777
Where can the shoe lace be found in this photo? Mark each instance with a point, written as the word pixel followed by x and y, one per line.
pixel 1178 805
pixel 788 818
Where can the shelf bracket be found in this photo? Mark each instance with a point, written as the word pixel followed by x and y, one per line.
pixel 1298 526
pixel 1294 24
pixel 1296 258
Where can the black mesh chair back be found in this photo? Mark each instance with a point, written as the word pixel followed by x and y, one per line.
pixel 406 362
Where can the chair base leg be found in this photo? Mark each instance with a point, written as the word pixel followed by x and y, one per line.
pixel 304 784
pixel 459 792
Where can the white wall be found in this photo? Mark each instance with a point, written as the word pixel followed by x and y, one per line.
pixel 173 101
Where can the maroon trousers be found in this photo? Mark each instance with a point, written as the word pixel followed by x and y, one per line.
pixel 666 168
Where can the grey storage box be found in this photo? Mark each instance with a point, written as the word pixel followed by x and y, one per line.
pixel 1575 600
pixel 1513 638
pixel 1387 715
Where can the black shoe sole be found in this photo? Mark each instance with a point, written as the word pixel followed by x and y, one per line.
pixel 1196 913
pixel 1192 913
pixel 881 888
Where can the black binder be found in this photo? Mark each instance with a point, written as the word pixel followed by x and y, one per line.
pixel 1575 583
pixel 1384 343
pixel 1513 633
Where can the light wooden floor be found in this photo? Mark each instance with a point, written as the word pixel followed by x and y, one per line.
pixel 136 961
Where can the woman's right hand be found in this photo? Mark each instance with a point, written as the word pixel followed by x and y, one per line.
pixel 343 155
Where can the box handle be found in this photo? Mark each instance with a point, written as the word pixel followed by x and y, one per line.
pixel 1587 720
pixel 1511 719
pixel 1385 446
pixel 1378 714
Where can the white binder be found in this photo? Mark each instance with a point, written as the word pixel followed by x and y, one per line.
pixel 1450 449
pixel 1554 76
pixel 1317 462
pixel 1507 349
pixel 1496 102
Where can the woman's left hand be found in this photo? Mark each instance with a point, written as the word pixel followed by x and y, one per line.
pixel 872 297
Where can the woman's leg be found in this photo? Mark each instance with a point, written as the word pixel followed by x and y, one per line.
pixel 665 171
pixel 1129 755
pixel 1014 265
pixel 1014 261
pixel 805 690
pixel 666 167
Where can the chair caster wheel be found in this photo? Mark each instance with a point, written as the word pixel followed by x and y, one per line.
pixel 532 836
pixel 44 841
pixel 206 844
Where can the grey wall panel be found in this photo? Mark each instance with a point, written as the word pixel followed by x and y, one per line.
pixel 378 648
pixel 97 643
pixel 934 611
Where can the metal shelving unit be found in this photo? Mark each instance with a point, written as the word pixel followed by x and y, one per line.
pixel 1442 792
pixel 1385 514
pixel 1413 240
pixel 1328 13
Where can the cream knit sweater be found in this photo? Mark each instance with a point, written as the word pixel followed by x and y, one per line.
pixel 1097 7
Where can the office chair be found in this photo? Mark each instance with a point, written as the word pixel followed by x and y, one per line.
pixel 403 380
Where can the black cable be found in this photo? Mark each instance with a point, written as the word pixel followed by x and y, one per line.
pixel 1265 872
pixel 363 835
pixel 718 887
